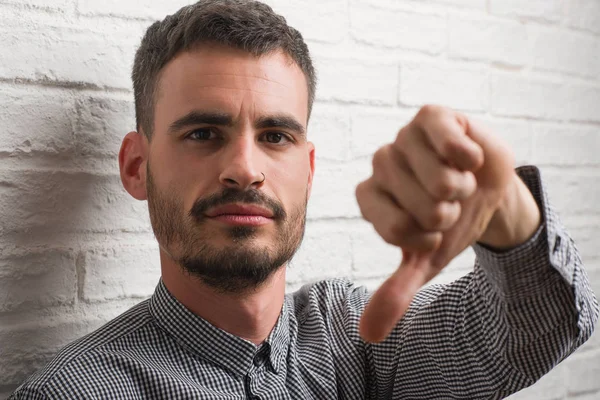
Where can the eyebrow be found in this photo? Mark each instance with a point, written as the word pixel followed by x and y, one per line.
pixel 199 118
pixel 281 121
pixel 222 119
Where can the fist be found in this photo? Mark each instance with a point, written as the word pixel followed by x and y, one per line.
pixel 432 193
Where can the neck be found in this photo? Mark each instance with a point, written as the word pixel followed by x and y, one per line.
pixel 250 315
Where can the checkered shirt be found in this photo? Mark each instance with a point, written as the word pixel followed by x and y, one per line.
pixel 485 336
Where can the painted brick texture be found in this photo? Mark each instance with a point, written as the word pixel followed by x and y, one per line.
pixel 76 250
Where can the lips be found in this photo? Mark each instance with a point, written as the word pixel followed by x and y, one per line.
pixel 240 209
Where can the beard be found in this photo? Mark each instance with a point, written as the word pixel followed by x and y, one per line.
pixel 241 266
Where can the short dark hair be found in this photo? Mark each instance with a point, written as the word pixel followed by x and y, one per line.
pixel 242 24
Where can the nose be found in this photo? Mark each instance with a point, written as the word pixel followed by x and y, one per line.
pixel 241 165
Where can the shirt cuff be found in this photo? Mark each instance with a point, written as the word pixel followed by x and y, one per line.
pixel 525 269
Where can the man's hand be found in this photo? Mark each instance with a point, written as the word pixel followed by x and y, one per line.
pixel 443 184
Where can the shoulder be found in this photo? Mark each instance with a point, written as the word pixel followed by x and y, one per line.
pixel 329 298
pixel 67 362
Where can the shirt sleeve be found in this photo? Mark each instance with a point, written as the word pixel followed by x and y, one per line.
pixel 496 330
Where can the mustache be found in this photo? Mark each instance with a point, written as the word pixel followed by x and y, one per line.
pixel 231 195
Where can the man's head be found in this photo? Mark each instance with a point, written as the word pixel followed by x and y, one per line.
pixel 223 91
pixel 246 25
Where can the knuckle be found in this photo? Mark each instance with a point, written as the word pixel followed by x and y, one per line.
pixel 450 147
pixel 362 192
pixel 378 161
pixel 444 188
pixel 401 138
pixel 394 232
pixel 436 218
pixel 470 183
pixel 429 111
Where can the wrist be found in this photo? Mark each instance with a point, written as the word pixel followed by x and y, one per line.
pixel 515 221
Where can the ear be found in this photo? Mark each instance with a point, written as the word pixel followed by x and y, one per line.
pixel 133 157
pixel 311 158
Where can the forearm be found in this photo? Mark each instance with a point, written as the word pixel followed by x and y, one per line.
pixel 516 220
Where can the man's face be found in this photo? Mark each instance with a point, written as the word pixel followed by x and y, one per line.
pixel 224 121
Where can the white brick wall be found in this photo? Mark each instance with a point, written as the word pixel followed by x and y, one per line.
pixel 75 250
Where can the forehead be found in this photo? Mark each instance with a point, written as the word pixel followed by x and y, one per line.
pixel 217 78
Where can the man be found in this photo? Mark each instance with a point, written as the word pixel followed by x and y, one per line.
pixel 223 94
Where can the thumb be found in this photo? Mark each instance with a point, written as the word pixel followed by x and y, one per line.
pixel 389 303
pixel 498 157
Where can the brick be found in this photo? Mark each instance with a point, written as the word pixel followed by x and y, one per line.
pixel 587 396
pixel 515 133
pixel 61 202
pixel 583 14
pixel 582 102
pixel 462 88
pixel 406 30
pixel 472 4
pixel 325 253
pixel 37 280
pixel 518 96
pixel 582 372
pixel 386 265
pixel 567 52
pixel 102 122
pixel 374 128
pixel 371 284
pixel 328 129
pixel 67 55
pixel 585 240
pixel 487 39
pixel 320 22
pixel 550 387
pixel 114 273
pixel 292 286
pixel 573 191
pixel 54 5
pixel 51 130
pixel 548 10
pixel 58 185
pixel 150 9
pixel 386 258
pixel 372 83
pixel 333 192
pixel 27 348
pixel 565 145
pixel 372 256
pixel 115 29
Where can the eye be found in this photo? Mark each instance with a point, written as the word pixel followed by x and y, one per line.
pixel 276 137
pixel 202 134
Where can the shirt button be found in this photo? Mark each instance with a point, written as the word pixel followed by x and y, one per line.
pixel 557 242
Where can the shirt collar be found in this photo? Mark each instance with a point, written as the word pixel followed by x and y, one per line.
pixel 209 342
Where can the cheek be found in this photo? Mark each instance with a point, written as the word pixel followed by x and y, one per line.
pixel 183 183
pixel 183 175
pixel 290 180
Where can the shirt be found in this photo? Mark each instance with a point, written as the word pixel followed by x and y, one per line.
pixel 490 333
